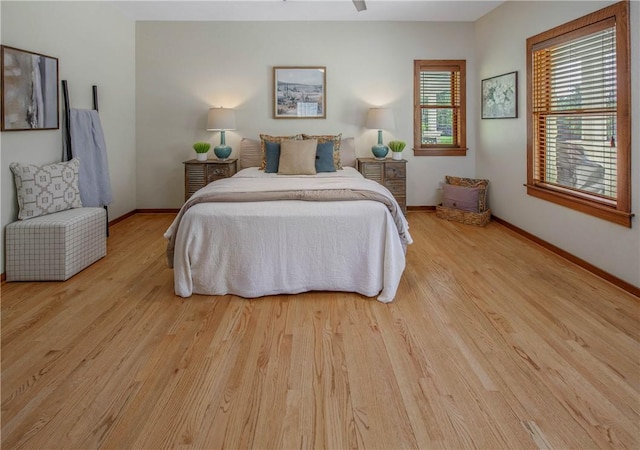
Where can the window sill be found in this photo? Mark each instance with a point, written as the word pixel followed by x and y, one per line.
pixel 440 151
pixel 585 206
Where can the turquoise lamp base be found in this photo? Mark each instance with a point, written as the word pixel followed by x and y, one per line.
pixel 380 150
pixel 222 151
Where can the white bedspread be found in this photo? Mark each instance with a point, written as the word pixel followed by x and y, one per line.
pixel 253 249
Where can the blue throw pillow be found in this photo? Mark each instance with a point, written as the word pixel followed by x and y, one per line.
pixel 324 157
pixel 272 150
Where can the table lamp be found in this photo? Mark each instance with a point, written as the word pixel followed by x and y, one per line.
pixel 380 118
pixel 221 119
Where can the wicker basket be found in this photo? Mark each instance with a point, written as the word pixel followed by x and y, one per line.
pixel 466 217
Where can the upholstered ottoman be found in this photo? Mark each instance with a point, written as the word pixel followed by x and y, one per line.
pixel 55 246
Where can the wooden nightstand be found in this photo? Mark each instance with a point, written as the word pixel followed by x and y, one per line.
pixel 198 174
pixel 390 173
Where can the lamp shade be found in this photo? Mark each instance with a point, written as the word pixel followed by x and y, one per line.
pixel 380 119
pixel 221 119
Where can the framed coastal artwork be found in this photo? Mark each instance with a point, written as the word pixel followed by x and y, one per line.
pixel 29 90
pixel 500 96
pixel 300 92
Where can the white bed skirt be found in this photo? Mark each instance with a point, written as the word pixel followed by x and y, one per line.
pixel 256 249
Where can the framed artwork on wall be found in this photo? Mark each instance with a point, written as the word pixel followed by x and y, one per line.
pixel 29 91
pixel 500 96
pixel 299 92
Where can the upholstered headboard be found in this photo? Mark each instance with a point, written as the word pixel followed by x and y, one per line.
pixel 251 154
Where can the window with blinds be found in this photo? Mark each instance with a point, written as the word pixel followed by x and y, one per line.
pixel 578 146
pixel 439 107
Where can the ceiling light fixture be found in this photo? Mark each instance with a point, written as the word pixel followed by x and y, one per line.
pixel 360 5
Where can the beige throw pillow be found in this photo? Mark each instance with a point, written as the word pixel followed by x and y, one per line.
pixel 298 157
pixel 250 153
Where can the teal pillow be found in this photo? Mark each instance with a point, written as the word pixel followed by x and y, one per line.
pixel 324 157
pixel 272 150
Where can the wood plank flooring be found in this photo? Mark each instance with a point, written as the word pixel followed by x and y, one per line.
pixel 492 343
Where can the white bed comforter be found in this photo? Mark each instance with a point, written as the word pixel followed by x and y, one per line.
pixel 253 249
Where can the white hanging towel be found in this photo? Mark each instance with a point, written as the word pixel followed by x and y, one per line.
pixel 88 145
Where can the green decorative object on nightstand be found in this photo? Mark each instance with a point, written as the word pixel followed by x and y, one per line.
pixel 201 149
pixel 396 148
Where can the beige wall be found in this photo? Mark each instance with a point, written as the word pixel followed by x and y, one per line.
pixel 500 40
pixel 183 69
pixel 94 44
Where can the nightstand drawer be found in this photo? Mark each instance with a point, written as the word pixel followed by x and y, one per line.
pixel 198 174
pixel 397 187
pixel 217 173
pixel 395 170
pixel 372 171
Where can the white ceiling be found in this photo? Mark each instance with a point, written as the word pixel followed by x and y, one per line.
pixel 310 10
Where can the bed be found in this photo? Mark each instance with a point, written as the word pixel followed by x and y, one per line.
pixel 258 234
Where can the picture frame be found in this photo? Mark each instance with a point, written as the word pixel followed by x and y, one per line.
pixel 30 93
pixel 299 92
pixel 500 96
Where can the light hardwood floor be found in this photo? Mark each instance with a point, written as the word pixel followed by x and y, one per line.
pixel 492 343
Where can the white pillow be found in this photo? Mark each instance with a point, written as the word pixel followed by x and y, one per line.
pixel 46 189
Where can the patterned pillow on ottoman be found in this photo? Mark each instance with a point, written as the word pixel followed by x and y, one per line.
pixel 46 189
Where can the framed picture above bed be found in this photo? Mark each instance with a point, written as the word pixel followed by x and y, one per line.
pixel 299 92
pixel 29 90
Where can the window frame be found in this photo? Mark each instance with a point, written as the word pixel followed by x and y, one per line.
pixel 444 65
pixel 618 211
